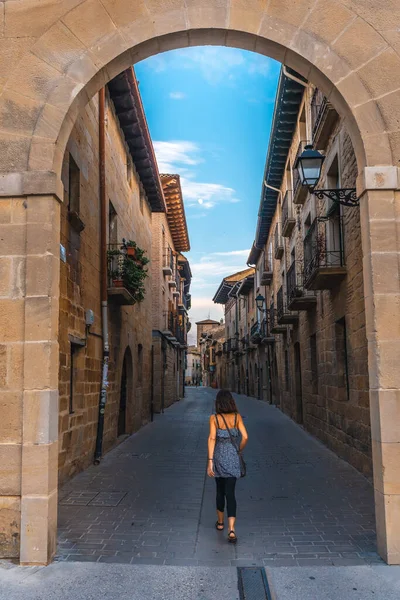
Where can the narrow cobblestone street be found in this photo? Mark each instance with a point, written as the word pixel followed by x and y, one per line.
pixel 149 501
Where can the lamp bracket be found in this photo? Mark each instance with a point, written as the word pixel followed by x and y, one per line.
pixel 344 196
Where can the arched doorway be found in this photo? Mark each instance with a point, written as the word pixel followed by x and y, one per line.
pixel 344 51
pixel 125 392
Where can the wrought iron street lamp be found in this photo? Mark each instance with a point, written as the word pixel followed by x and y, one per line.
pixel 260 303
pixel 309 165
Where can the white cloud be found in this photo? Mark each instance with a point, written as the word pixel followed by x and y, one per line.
pixel 177 95
pixel 215 268
pixel 181 157
pixel 171 156
pixel 244 253
pixel 215 64
pixel 206 195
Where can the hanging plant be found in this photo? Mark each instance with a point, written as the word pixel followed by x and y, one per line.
pixel 134 274
pixel 128 270
pixel 131 248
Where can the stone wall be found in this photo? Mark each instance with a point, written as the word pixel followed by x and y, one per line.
pixel 129 326
pixel 168 359
pixel 309 371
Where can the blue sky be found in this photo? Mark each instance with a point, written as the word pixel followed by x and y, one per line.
pixel 209 111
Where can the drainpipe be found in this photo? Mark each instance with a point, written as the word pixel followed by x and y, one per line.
pixel 103 279
pixel 293 77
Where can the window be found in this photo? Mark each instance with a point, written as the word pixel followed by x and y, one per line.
pixel 342 366
pixel 314 363
pixel 112 224
pixel 287 370
pixel 74 187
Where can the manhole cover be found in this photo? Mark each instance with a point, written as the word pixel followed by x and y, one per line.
pixel 253 584
pixel 107 499
pixel 78 498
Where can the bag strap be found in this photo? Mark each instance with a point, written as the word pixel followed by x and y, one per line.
pixel 230 435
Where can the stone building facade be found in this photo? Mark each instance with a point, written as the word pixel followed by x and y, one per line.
pixel 236 293
pixel 171 277
pixel 205 326
pixel 308 262
pixel 136 212
pixel 129 217
pixel 193 366
pixel 303 345
pixel 211 351
pixel 53 59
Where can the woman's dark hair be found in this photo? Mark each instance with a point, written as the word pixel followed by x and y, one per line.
pixel 224 403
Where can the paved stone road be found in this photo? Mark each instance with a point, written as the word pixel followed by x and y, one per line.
pixel 149 501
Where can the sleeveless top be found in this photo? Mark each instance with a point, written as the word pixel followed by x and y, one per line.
pixel 226 458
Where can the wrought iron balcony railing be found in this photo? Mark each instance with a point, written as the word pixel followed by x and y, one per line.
pixel 274 325
pixel 121 285
pixel 265 331
pixel 168 262
pixel 288 220
pixel 323 118
pixel 278 242
pixel 267 272
pixel 176 328
pixel 285 316
pixel 298 298
pixel 233 344
pixel 324 263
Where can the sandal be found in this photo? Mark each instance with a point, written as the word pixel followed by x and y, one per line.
pixel 219 526
pixel 232 539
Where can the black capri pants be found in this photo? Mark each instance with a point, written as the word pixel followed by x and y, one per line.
pixel 226 489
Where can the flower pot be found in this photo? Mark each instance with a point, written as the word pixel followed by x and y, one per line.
pixel 131 251
pixel 118 283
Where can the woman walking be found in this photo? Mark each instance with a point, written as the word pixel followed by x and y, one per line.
pixel 223 457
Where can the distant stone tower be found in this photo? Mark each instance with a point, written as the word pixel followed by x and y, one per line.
pixel 203 326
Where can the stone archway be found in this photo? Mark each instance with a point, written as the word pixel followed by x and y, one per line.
pixel 53 59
